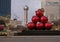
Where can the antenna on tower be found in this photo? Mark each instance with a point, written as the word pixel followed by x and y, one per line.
pixel 15 18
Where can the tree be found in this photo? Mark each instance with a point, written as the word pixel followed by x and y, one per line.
pixel 2 22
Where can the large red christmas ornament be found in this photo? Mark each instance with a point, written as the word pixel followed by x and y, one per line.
pixel 39 13
pixel 39 25
pixel 35 19
pixel 31 25
pixel 39 10
pixel 1 27
pixel 48 25
pixel 44 19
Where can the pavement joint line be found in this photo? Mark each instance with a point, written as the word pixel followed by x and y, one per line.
pixel 32 36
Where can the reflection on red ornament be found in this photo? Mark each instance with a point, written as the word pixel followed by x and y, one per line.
pixel 30 25
pixel 39 25
pixel 39 13
pixel 35 19
pixel 48 25
pixel 44 19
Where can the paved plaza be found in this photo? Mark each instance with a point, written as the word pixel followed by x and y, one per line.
pixel 30 39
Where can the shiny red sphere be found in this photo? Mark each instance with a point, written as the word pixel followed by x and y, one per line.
pixel 35 19
pixel 39 9
pixel 48 25
pixel 44 19
pixel 39 25
pixel 30 25
pixel 39 13
pixel 1 27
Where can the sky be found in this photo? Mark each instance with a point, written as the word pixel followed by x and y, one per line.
pixel 17 9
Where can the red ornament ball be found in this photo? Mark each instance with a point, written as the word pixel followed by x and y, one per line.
pixel 35 19
pixel 44 19
pixel 1 27
pixel 48 25
pixel 39 25
pixel 39 13
pixel 31 25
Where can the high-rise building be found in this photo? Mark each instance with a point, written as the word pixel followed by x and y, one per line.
pixel 52 9
pixel 5 7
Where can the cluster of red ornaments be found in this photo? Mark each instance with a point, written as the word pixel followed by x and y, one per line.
pixel 39 21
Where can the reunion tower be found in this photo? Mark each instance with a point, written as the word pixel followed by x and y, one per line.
pixel 26 15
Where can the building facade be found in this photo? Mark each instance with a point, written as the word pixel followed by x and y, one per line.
pixel 52 9
pixel 5 7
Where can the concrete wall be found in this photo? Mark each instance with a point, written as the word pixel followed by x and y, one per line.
pixel 52 9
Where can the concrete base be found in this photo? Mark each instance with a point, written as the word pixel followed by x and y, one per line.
pixel 37 33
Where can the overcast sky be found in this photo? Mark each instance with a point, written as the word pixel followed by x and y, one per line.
pixel 17 8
